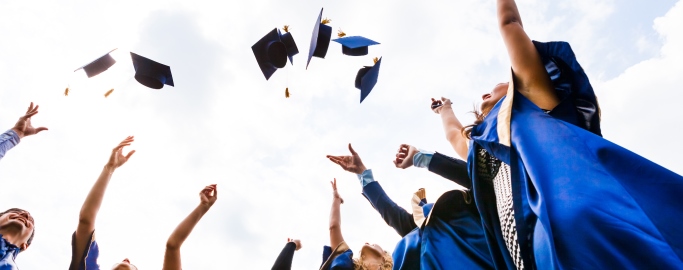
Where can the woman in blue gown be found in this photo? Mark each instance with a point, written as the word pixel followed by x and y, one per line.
pixel 552 193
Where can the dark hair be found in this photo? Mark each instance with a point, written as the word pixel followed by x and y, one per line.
pixel 479 118
pixel 33 233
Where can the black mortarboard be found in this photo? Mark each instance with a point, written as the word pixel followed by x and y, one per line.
pixel 320 40
pixel 99 65
pixel 270 53
pixel 355 45
pixel 288 40
pixel 150 73
pixel 367 78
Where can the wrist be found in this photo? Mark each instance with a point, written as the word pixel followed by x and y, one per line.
pixel 361 169
pixel 19 133
pixel 109 168
pixel 204 207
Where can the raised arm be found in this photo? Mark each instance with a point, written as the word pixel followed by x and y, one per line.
pixel 451 126
pixel 20 130
pixel 530 76
pixel 394 215
pixel 335 217
pixel 88 214
pixel 284 260
pixel 447 167
pixel 208 197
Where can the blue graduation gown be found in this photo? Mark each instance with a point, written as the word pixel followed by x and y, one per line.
pixel 580 201
pixel 451 238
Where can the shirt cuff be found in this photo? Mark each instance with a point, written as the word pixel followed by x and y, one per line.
pixel 11 136
pixel 366 177
pixel 422 158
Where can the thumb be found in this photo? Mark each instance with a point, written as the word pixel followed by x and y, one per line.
pixel 352 151
pixel 130 154
pixel 40 129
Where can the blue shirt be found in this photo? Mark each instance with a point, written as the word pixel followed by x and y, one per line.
pixel 8 253
pixel 8 140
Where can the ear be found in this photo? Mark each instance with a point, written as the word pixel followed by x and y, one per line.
pixel 23 246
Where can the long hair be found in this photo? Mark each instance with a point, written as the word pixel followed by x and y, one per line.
pixel 388 263
pixel 479 118
pixel 33 233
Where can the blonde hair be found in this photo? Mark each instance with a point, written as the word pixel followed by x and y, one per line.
pixel 388 263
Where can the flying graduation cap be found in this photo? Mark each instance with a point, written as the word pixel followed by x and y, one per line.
pixel 99 65
pixel 320 40
pixel 272 51
pixel 150 73
pixel 367 78
pixel 354 45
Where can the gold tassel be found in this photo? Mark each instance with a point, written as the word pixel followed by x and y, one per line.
pixel 66 92
pixel 287 92
pixel 286 28
pixel 326 21
pixel 108 92
pixel 375 60
pixel 341 33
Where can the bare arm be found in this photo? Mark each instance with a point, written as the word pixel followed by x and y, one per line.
pixel 91 206
pixel 531 78
pixel 335 218
pixel 172 255
pixel 451 126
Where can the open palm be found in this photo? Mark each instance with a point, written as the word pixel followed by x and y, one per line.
pixel 117 158
pixel 23 127
pixel 350 163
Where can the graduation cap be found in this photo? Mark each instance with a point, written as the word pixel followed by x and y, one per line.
pixel 288 40
pixel 98 66
pixel 150 73
pixel 367 78
pixel 355 45
pixel 320 40
pixel 270 52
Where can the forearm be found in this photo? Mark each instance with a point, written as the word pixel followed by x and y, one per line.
pixel 394 215
pixel 185 227
pixel 453 131
pixel 93 201
pixel 8 140
pixel 508 13
pixel 335 214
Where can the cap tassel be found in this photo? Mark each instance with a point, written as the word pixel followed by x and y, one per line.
pixel 286 28
pixel 326 21
pixel 287 92
pixel 375 60
pixel 66 92
pixel 341 33
pixel 108 92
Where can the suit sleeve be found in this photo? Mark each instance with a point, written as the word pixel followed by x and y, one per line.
pixel 450 168
pixel 394 215
pixel 284 260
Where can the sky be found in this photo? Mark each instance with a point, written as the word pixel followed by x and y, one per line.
pixel 224 123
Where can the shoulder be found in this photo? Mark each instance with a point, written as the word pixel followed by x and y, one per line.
pixel 86 260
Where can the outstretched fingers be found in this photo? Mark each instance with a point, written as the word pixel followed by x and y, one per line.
pixel 352 151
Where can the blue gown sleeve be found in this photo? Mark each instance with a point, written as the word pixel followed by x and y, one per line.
pixel 284 260
pixel 450 168
pixel 394 215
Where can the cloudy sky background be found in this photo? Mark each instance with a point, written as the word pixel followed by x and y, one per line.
pixel 224 123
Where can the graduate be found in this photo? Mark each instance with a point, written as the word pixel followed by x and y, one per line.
pixel 208 197
pixel 338 255
pixel 552 193
pixel 447 234
pixel 21 129
pixel 84 248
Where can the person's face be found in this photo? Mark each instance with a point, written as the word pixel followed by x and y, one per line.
pixel 374 249
pixel 124 265
pixel 20 221
pixel 490 99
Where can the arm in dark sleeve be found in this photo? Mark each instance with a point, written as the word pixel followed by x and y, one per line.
pixel 450 168
pixel 394 215
pixel 284 260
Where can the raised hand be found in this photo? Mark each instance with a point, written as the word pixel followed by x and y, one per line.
pixel 404 157
pixel 335 194
pixel 209 195
pixel 23 127
pixel 438 105
pixel 350 163
pixel 117 158
pixel 297 242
